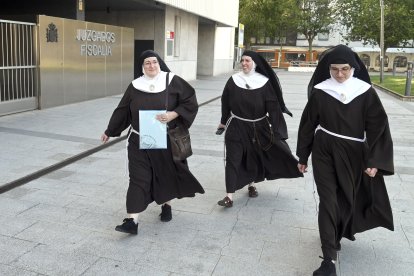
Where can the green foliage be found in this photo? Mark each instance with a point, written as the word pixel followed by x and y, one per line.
pixel 315 17
pixel 362 19
pixel 261 18
pixel 396 84
pixel 275 18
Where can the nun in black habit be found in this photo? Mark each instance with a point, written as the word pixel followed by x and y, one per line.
pixel 153 175
pixel 252 106
pixel 345 127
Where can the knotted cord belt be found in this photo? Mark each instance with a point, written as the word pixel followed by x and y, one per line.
pixel 339 135
pixel 131 130
pixel 242 119
pixel 233 116
pixel 319 127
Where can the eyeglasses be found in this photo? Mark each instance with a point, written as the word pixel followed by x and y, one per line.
pixel 245 60
pixel 344 70
pixel 149 63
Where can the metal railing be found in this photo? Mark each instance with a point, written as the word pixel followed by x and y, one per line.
pixel 18 61
pixel 297 63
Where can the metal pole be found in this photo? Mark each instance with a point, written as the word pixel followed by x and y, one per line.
pixel 382 54
pixel 280 55
pixel 410 66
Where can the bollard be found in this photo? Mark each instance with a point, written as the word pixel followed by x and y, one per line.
pixel 410 66
pixel 394 68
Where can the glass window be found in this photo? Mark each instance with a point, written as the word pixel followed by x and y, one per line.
pixel 366 60
pixel 292 56
pixel 267 55
pixel 377 61
pixel 170 47
pixel 400 61
pixel 323 36
pixel 280 40
pixel 301 36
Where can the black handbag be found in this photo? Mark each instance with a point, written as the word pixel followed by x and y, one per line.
pixel 180 140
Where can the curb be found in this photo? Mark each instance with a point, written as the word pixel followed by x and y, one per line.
pixel 394 94
pixel 25 179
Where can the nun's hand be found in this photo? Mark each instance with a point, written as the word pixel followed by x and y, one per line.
pixel 167 116
pixel 104 138
pixel 302 168
pixel 371 171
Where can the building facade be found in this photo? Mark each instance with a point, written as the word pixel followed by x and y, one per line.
pixel 67 65
pixel 295 53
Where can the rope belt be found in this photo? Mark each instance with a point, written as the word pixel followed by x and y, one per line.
pixel 339 135
pixel 232 116
pixel 131 130
pixel 242 119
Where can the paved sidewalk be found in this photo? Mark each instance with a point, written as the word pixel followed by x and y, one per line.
pixel 62 222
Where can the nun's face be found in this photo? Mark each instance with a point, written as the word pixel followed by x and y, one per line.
pixel 151 66
pixel 246 64
pixel 340 72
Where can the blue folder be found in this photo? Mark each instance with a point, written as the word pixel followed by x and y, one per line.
pixel 152 133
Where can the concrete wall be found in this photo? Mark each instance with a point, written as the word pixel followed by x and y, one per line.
pixel 205 56
pixel 225 12
pixel 200 48
pixel 147 25
pixel 215 50
pixel 223 50
pixel 154 25
pixel 183 60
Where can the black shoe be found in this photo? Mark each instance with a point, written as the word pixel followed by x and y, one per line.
pixel 338 246
pixel 129 226
pixel 253 191
pixel 226 202
pixel 327 268
pixel 166 214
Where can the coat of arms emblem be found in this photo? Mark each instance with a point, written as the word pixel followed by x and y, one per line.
pixel 51 33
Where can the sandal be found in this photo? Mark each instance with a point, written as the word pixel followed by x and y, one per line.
pixel 253 191
pixel 166 214
pixel 226 202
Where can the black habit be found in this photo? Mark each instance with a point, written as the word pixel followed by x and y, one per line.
pixel 154 176
pixel 255 151
pixel 350 200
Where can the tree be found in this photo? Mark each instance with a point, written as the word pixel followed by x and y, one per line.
pixel 250 15
pixel 314 17
pixel 267 18
pixel 275 18
pixel 362 21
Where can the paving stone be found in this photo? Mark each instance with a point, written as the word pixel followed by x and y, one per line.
pixel 63 223
pixel 13 248
pixel 46 260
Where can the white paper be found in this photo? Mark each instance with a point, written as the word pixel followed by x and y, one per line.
pixel 152 133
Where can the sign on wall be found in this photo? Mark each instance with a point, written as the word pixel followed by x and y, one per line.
pixel 241 35
pixel 95 43
pixel 169 35
pixel 80 60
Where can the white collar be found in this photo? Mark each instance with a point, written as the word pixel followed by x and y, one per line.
pixel 251 80
pixel 346 91
pixel 152 85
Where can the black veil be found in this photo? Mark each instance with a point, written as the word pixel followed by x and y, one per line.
pixel 262 67
pixel 147 54
pixel 339 54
